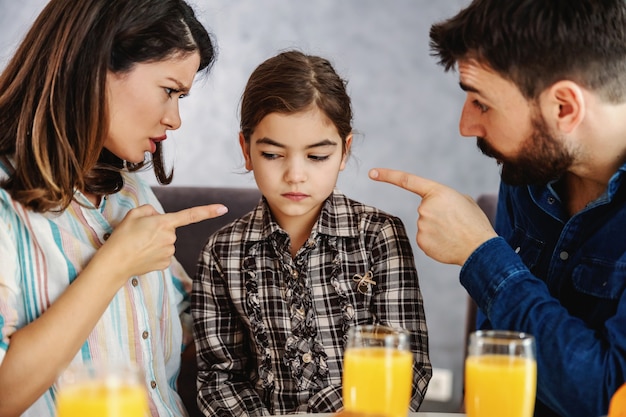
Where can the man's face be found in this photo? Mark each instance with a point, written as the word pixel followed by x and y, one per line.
pixel 541 157
pixel 509 128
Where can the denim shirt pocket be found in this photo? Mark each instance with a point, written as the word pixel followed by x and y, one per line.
pixel 600 278
pixel 527 247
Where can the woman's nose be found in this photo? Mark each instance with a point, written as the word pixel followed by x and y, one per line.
pixel 171 118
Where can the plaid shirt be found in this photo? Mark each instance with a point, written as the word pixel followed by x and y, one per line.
pixel 271 330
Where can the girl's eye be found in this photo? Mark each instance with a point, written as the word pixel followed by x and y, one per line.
pixel 318 158
pixel 480 106
pixel 268 155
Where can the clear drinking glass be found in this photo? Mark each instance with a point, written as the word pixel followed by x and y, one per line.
pixel 500 374
pixel 102 391
pixel 377 371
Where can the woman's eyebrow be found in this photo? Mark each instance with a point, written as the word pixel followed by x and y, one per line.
pixel 181 87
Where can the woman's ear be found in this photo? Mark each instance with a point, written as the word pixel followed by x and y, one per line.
pixel 564 104
pixel 245 150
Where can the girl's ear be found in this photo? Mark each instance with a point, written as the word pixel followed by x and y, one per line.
pixel 346 152
pixel 245 150
pixel 564 104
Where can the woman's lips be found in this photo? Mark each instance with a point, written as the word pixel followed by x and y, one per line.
pixel 154 141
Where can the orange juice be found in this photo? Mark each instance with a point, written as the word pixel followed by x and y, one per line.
pixel 97 399
pixel 500 385
pixel 377 380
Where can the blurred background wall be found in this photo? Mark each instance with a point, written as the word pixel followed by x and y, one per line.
pixel 406 113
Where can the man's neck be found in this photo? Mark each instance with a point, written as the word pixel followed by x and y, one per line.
pixel 578 192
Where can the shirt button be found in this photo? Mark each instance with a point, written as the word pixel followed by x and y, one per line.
pixel 551 200
pixel 294 274
pixel 106 236
pixel 517 249
pixel 564 255
pixel 306 358
pixel 135 282
pixel 153 384
pixel 145 334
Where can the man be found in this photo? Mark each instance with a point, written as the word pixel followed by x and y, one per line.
pixel 546 97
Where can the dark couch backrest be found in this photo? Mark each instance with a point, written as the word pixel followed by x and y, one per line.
pixel 191 239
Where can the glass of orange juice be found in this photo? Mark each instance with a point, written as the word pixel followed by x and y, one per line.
pixel 377 371
pixel 102 391
pixel 500 374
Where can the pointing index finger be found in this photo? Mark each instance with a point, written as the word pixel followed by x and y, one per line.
pixel 418 185
pixel 196 214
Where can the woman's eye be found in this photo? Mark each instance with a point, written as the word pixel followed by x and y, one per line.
pixel 480 106
pixel 171 91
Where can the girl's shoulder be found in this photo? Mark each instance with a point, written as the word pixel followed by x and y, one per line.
pixel 359 209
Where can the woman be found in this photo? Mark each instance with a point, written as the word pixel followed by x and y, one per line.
pixel 92 88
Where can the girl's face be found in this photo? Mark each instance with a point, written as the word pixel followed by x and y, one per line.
pixel 296 159
pixel 143 104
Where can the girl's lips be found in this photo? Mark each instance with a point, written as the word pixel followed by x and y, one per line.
pixel 295 196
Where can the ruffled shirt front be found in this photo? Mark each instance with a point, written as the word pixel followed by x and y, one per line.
pixel 271 329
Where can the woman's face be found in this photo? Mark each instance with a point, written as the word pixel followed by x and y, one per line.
pixel 143 104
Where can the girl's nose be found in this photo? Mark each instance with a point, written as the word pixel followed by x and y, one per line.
pixel 295 172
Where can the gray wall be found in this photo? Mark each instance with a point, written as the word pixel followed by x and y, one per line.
pixel 406 113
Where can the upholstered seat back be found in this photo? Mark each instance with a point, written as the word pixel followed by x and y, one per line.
pixel 189 242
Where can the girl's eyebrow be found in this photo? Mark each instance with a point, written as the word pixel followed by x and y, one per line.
pixel 272 142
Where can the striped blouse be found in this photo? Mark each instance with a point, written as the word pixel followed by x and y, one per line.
pixel 41 254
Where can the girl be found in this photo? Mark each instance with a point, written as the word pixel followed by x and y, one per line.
pixel 85 255
pixel 277 290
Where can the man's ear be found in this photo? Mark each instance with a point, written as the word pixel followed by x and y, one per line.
pixel 563 105
pixel 245 150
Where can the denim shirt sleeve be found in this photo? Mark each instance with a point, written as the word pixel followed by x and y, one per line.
pixel 578 367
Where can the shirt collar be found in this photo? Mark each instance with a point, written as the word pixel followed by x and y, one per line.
pixel 545 192
pixel 337 218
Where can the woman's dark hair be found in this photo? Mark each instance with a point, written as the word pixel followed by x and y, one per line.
pixel 291 82
pixel 53 108
pixel 535 43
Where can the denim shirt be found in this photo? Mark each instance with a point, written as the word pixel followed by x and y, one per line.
pixel 561 279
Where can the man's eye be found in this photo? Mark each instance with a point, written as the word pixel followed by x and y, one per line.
pixel 480 106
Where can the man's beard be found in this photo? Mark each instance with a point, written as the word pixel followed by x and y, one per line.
pixel 541 158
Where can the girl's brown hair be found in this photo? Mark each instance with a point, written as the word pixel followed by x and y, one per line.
pixel 291 82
